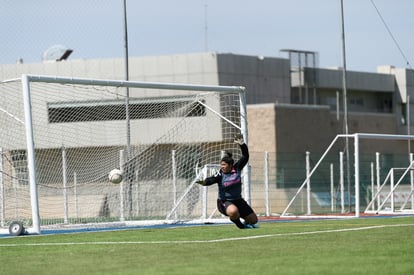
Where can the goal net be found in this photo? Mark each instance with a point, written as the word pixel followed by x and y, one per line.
pixel 60 137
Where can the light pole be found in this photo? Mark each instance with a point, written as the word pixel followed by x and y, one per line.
pixel 345 104
pixel 128 169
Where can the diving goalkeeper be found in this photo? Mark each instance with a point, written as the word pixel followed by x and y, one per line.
pixel 230 201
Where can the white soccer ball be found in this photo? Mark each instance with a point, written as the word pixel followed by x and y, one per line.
pixel 115 176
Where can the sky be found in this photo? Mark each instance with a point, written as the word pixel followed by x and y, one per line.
pixel 94 29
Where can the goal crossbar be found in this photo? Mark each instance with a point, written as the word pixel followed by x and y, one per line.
pixel 134 84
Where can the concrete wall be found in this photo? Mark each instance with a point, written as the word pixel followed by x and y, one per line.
pixel 300 128
pixel 287 128
pixel 267 79
pixel 261 127
pixel 404 80
pixel 189 68
pixel 379 124
pixel 333 79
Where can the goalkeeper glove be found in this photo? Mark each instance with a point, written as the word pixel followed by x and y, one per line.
pixel 239 139
pixel 201 182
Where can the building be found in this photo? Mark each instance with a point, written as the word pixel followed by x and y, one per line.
pixel 284 100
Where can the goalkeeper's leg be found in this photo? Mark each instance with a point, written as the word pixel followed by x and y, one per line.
pixel 247 213
pixel 229 209
pixel 234 215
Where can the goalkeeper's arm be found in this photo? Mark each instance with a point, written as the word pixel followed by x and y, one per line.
pixel 245 152
pixel 208 181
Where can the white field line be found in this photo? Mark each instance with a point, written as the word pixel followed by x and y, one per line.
pixel 212 241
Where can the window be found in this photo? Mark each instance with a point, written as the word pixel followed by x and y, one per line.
pixel 115 110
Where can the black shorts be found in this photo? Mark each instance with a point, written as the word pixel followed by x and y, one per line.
pixel 244 209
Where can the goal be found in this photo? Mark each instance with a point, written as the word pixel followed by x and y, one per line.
pixel 379 174
pixel 60 137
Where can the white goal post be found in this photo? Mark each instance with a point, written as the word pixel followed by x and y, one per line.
pixel 354 191
pixel 62 136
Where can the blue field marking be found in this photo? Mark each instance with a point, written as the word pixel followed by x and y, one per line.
pixel 93 228
pixel 85 229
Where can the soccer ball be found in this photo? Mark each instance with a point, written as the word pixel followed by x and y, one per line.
pixel 115 176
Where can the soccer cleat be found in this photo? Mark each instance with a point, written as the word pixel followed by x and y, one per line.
pixel 250 226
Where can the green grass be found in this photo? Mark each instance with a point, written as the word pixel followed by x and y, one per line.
pixel 376 246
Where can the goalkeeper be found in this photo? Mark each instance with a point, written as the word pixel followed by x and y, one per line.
pixel 230 201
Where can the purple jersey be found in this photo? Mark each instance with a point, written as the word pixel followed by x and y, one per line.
pixel 229 184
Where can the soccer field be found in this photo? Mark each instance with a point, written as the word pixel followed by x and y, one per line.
pixel 351 246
